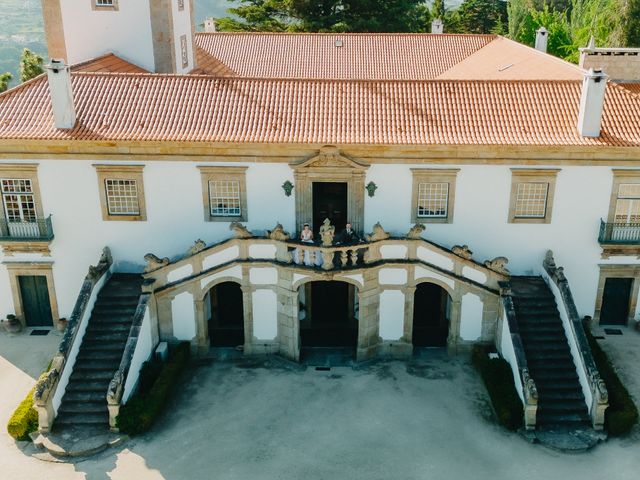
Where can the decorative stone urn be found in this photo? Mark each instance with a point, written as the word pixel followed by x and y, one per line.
pixel 11 324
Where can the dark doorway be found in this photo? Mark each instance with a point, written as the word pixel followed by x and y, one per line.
pixel 329 314
pixel 36 304
pixel 329 201
pixel 431 305
pixel 226 323
pixel 615 301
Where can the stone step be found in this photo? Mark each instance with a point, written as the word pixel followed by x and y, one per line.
pixel 92 376
pixel 89 346
pixel 108 327
pixel 547 418
pixel 110 303
pixel 97 365
pixel 82 419
pixel 541 346
pixel 544 337
pixel 545 396
pixel 86 396
pixel 543 375
pixel 106 337
pixel 86 356
pixel 542 366
pixel 77 407
pixel 556 386
pixel 83 385
pixel 547 355
pixel 562 406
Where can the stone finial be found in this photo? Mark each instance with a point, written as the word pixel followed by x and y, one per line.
pixel 103 264
pixel 498 265
pixel 378 234
pixel 327 233
pixel 239 230
pixel 600 388
pixel 154 263
pixel 196 248
pixel 415 233
pixel 462 251
pixel 549 261
pixel 530 389
pixel 278 233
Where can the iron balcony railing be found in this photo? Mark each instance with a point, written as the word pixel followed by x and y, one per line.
pixel 619 233
pixel 41 230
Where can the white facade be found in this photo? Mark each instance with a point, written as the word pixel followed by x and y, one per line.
pixel 70 193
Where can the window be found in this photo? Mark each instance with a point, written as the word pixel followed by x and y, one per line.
pixel 627 208
pixel 433 195
pixel 18 200
pixel 104 4
pixel 224 193
pixel 121 192
pixel 532 193
pixel 122 197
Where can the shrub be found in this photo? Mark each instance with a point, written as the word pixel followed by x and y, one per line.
pixel 24 420
pixel 138 415
pixel 622 413
pixel 498 378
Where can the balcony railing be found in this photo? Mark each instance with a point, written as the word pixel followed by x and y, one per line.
pixel 327 258
pixel 40 230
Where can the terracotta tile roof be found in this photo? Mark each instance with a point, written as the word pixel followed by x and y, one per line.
pixel 108 63
pixel 361 56
pixel 632 87
pixel 137 107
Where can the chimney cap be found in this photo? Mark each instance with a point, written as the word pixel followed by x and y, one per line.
pixel 542 31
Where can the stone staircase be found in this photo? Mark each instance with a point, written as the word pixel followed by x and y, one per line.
pixel 84 402
pixel 561 403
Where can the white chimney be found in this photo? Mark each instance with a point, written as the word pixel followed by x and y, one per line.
pixel 594 86
pixel 437 26
pixel 209 25
pixel 64 112
pixel 542 36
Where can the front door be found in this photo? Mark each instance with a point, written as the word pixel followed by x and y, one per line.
pixel 329 201
pixel 36 304
pixel 615 301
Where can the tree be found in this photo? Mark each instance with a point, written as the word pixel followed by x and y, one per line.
pixel 559 41
pixel 437 9
pixel 5 78
pixel 31 65
pixel 482 16
pixel 632 24
pixel 257 16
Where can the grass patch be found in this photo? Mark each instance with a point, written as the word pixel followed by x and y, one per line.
pixel 24 420
pixel 498 378
pixel 622 413
pixel 156 385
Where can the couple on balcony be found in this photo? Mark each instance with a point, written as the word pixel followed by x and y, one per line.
pixel 347 237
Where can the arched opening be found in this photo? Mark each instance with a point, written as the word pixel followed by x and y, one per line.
pixel 328 314
pixel 431 314
pixel 225 314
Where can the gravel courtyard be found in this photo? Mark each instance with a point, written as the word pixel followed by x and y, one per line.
pixel 419 420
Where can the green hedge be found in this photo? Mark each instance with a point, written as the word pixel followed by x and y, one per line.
pixel 138 415
pixel 622 413
pixel 24 420
pixel 498 378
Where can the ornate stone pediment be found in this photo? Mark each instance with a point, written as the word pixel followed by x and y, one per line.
pixel 330 158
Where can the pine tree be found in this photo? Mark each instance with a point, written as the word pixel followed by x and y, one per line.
pixel 31 65
pixel 5 78
pixel 437 9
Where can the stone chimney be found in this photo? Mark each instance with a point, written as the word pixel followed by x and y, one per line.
pixel 542 37
pixel 64 111
pixel 209 25
pixel 594 86
pixel 437 26
pixel 621 64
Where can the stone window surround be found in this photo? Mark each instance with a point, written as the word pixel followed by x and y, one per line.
pixel 18 269
pixel 121 172
pixel 433 175
pixel 620 176
pixel 108 8
pixel 214 173
pixel 617 271
pixel 23 171
pixel 524 175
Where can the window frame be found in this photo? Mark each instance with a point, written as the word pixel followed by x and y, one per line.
pixel 433 175
pixel 22 172
pixel 522 175
pixel 620 177
pixel 121 172
pixel 213 174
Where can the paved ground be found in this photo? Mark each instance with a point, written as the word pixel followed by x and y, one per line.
pixel 391 420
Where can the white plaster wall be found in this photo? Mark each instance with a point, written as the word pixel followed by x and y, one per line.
pixel 473 274
pixel 508 352
pixel 179 273
pixel 262 251
pixel 471 317
pixel 263 276
pixel 125 32
pixel 265 314
pixel 392 276
pixel 434 258
pixel 142 353
pixel 220 257
pixel 393 251
pixel 184 316
pixel 182 26
pixel 391 314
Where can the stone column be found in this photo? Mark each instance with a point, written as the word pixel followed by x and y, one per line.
pixel 369 325
pixel 165 318
pixel 202 328
pixel 454 324
pixel 288 325
pixel 247 311
pixel 409 297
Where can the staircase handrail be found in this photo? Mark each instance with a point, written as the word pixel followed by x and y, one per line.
pixel 527 384
pixel 599 393
pixel 46 394
pixel 116 388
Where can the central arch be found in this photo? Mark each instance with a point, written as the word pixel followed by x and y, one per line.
pixel 328 313
pixel 431 315
pixel 224 312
